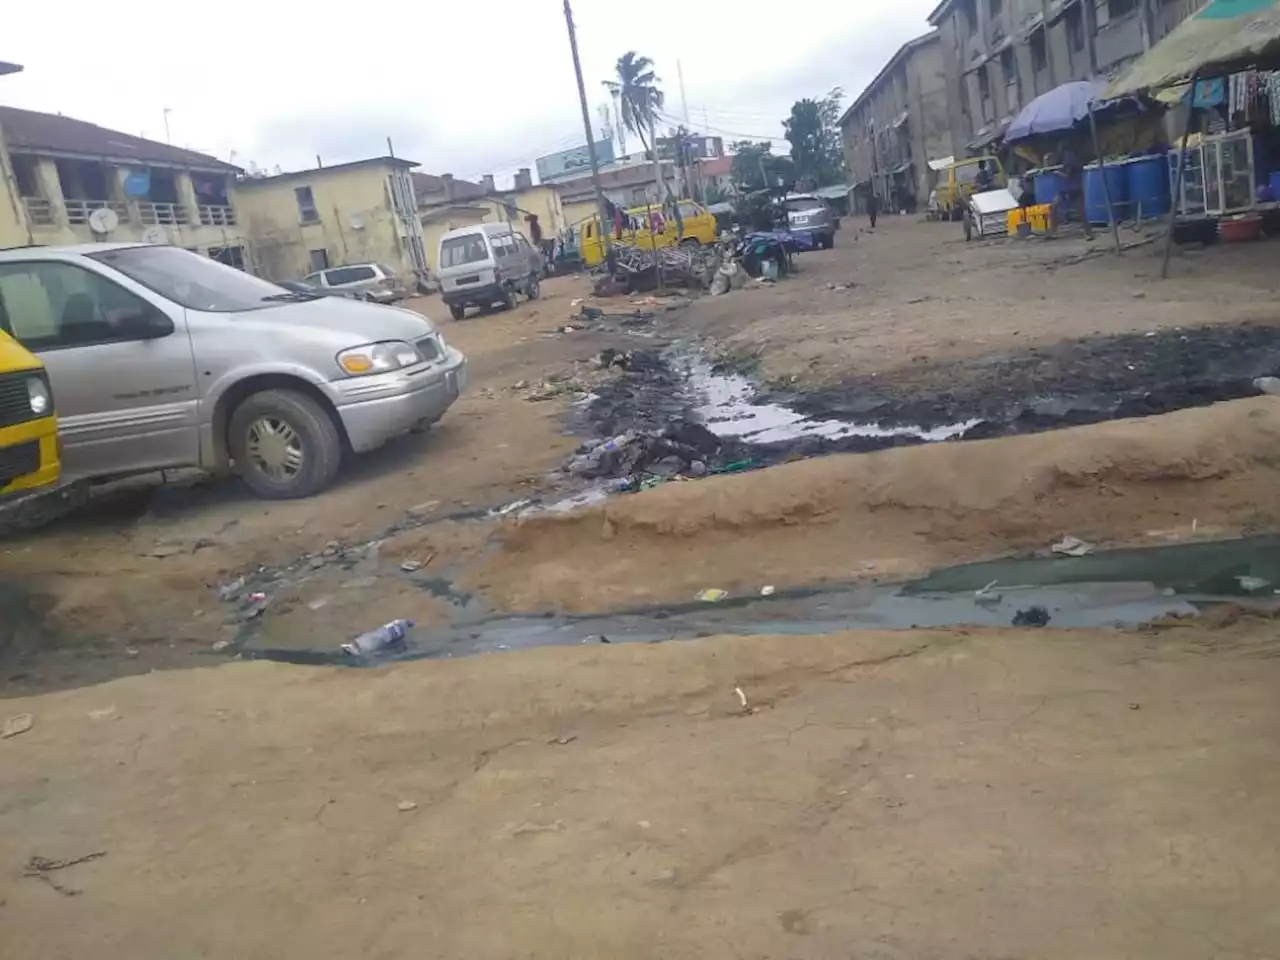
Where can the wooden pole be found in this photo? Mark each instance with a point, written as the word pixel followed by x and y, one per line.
pixel 1106 188
pixel 1177 179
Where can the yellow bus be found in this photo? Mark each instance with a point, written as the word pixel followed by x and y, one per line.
pixel 28 428
pixel 656 230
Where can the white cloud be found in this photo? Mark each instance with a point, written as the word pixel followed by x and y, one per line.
pixel 461 88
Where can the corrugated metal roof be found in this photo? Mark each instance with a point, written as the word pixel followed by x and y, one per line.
pixel 1222 37
pixel 30 131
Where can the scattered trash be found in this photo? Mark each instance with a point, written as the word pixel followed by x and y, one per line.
pixel 987 595
pixel 1072 547
pixel 1251 584
pixel 742 697
pixel 1269 385
pixel 319 603
pixel 1036 616
pixel 104 713
pixel 712 595
pixel 39 868
pixel 404 806
pixel 219 645
pixel 576 302
pixel 1135 706
pixel 537 828
pixel 767 590
pixel 163 550
pixel 130 651
pixel 257 597
pixel 422 509
pixel 387 635
pixel 409 566
pixel 19 723
pixel 231 590
pixel 561 741
pixel 919 300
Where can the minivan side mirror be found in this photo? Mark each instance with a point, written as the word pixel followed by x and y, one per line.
pixel 144 323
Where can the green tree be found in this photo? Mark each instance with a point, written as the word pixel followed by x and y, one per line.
pixel 756 167
pixel 813 130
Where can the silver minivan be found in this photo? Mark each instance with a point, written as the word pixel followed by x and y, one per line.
pixel 486 265
pixel 161 358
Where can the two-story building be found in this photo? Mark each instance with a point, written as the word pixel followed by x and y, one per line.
pixel 57 173
pixel 999 55
pixel 899 123
pixel 306 220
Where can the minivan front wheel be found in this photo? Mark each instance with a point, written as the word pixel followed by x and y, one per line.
pixel 284 444
pixel 531 287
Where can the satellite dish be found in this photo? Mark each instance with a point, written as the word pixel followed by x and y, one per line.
pixel 103 220
pixel 357 222
pixel 155 235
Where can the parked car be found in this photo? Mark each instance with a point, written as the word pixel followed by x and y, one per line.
pixel 374 282
pixel 811 214
pixel 163 358
pixel 484 265
pixel 28 427
pixel 297 286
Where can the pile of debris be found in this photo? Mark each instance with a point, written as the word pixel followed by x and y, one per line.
pixel 639 459
pixel 635 269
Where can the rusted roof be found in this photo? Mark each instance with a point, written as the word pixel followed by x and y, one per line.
pixel 28 130
pixel 424 183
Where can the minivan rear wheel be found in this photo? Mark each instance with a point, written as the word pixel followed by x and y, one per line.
pixel 284 444
pixel 458 311
pixel 531 287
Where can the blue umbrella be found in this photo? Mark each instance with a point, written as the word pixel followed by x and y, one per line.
pixel 1056 111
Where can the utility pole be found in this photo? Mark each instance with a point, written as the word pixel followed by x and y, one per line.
pixel 605 229
pixel 684 101
pixel 167 111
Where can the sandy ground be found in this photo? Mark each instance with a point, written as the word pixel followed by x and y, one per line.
pixel 1202 473
pixel 886 795
pixel 917 295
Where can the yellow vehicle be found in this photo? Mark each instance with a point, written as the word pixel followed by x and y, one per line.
pixel 699 228
pixel 28 427
pixel 955 184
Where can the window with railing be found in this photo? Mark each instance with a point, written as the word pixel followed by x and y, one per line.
pixel 217 215
pixel 162 213
pixel 39 211
pixel 79 211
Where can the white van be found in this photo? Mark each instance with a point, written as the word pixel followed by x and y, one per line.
pixel 486 264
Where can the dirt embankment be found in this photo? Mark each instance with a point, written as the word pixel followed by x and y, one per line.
pixel 905 795
pixel 1205 472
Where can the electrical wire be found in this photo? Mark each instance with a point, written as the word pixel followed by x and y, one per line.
pixel 736 134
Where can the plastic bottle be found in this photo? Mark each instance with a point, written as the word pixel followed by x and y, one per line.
pixel 386 635
pixel 617 443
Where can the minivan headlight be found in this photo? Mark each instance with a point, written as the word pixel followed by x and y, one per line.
pixel 378 357
pixel 38 394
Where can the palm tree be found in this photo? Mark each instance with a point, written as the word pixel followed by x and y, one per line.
pixel 639 98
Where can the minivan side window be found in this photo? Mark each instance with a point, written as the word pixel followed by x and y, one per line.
pixel 340 275
pixel 49 304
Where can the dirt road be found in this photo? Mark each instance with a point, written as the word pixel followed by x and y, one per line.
pixel 906 795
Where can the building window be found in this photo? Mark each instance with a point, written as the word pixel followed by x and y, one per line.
pixel 1039 52
pixel 306 205
pixel 970 15
pixel 996 7
pixel 231 256
pixel 984 84
pixel 1075 28
pixel 1107 10
pixel 319 260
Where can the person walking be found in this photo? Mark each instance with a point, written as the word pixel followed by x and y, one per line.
pixel 873 207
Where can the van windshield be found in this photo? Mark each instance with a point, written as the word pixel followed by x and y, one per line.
pixel 191 280
pixel 469 248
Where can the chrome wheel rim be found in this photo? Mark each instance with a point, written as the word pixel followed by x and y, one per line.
pixel 275 448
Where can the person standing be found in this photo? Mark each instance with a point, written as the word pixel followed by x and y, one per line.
pixel 873 207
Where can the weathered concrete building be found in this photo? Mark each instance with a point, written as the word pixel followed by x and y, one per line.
pixel 899 123
pixel 1001 54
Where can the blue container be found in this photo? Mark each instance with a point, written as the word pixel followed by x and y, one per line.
pixel 1274 182
pixel 1095 197
pixel 1147 184
pixel 1048 183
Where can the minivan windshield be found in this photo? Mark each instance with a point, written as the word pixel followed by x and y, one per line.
pixel 469 248
pixel 191 280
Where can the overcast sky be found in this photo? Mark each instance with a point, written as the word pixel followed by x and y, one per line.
pixel 462 88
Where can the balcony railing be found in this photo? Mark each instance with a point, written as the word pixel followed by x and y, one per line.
pixel 213 215
pixel 39 211
pixel 162 213
pixel 78 211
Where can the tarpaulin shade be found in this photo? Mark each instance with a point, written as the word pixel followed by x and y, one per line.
pixel 1223 36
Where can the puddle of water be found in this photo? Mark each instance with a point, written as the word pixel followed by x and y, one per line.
pixel 727 409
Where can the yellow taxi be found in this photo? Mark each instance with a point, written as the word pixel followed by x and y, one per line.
pixel 650 228
pixel 28 428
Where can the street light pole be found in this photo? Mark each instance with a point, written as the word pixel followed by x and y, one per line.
pixel 586 126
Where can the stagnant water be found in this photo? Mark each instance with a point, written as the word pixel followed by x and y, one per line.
pixel 1112 589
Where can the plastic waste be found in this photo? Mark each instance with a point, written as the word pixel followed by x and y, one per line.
pixel 1070 546
pixel 387 635
pixel 617 443
pixel 1036 616
pixel 712 595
